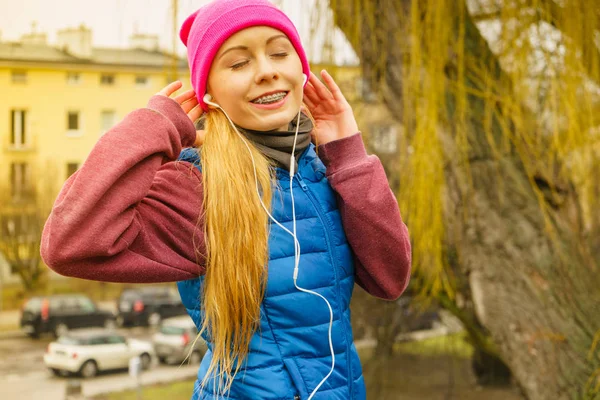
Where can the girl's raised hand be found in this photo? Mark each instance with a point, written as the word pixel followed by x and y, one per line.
pixel 333 115
pixel 188 102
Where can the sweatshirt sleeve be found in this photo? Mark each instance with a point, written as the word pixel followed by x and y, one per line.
pixel 130 213
pixel 371 217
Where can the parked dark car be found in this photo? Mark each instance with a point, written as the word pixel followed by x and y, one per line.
pixel 57 314
pixel 148 306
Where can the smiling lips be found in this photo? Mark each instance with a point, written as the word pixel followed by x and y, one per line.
pixel 270 97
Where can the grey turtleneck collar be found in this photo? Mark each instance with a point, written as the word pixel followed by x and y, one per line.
pixel 277 145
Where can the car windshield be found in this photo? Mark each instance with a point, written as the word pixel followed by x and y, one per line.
pixel 73 341
pixel 172 330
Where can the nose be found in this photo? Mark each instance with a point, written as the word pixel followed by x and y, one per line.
pixel 265 70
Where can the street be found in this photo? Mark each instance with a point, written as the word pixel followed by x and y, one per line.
pixel 24 376
pixel 43 385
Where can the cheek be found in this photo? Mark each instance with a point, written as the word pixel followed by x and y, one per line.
pixel 227 89
pixel 230 96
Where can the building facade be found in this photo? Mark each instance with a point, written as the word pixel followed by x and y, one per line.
pixel 56 101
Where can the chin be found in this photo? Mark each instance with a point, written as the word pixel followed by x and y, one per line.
pixel 273 122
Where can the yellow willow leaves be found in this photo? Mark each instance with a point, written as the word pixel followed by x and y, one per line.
pixel 543 106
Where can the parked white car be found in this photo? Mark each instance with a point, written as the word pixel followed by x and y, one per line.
pixel 177 339
pixel 88 351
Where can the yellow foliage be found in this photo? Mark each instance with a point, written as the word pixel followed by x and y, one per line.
pixel 540 105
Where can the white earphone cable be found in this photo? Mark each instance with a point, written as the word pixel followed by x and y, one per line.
pixel 297 263
pixel 207 100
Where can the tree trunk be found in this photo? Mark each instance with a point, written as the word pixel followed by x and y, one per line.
pixel 535 293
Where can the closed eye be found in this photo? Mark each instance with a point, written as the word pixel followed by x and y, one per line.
pixel 239 65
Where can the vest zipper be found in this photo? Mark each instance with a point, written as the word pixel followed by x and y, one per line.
pixel 301 182
pixel 315 204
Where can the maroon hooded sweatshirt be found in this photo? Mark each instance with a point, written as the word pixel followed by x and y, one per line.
pixel 131 212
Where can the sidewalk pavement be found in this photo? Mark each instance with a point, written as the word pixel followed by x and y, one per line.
pixel 9 324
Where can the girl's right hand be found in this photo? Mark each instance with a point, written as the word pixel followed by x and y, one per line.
pixel 189 103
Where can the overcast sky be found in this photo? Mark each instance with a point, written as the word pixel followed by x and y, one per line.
pixel 113 21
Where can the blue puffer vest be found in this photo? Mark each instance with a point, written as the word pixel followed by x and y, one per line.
pixel 291 354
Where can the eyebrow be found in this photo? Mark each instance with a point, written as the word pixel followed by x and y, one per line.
pixel 269 40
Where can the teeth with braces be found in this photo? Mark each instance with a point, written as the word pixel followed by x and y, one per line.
pixel 270 98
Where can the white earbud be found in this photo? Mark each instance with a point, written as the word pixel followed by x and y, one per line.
pixel 208 100
pixel 305 79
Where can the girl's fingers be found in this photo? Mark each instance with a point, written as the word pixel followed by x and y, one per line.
pixel 320 88
pixel 185 96
pixel 311 93
pixel 333 87
pixel 188 105
pixel 309 103
pixel 170 88
pixel 195 113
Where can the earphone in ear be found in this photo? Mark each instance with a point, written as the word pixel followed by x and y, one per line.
pixel 208 100
pixel 305 79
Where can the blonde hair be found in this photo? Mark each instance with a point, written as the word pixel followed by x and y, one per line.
pixel 236 232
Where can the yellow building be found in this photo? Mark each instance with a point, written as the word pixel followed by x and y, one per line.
pixel 57 100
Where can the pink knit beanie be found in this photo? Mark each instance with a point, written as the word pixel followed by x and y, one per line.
pixel 204 32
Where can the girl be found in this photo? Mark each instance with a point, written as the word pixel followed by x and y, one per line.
pixel 265 236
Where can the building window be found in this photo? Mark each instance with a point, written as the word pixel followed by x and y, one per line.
pixel 19 180
pixel 107 79
pixel 71 168
pixel 74 124
pixel 73 120
pixel 384 139
pixel 107 120
pixel 142 81
pixel 73 78
pixel 18 128
pixel 19 76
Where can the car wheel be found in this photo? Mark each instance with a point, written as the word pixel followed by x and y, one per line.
pixel 145 361
pixel 60 329
pixel 110 323
pixel 34 335
pixel 195 358
pixel 154 319
pixel 89 369
pixel 56 371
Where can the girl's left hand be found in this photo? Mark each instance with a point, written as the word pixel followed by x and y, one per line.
pixel 333 115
